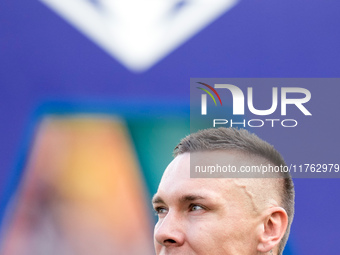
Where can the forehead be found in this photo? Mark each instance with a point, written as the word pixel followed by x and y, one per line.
pixel 176 180
pixel 180 166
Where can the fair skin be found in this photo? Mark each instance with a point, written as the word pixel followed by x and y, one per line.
pixel 216 216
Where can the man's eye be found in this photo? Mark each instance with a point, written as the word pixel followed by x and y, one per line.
pixel 160 210
pixel 196 207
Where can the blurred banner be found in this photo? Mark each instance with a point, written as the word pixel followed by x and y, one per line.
pixel 142 35
pixel 82 192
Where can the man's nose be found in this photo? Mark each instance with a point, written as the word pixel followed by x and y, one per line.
pixel 169 230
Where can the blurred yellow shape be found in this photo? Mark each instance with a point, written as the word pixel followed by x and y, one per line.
pixel 82 192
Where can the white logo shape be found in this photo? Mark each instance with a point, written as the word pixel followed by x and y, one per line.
pixel 140 32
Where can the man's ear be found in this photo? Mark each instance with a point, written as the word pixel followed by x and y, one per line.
pixel 274 227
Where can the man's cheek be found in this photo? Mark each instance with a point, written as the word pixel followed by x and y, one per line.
pixel 201 237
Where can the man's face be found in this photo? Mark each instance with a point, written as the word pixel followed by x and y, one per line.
pixel 204 216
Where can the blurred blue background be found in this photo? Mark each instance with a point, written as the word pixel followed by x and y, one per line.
pixel 47 66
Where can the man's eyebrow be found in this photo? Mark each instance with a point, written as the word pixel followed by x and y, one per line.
pixel 185 198
pixel 190 198
pixel 157 200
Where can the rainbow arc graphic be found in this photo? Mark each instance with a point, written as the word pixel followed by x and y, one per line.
pixel 204 97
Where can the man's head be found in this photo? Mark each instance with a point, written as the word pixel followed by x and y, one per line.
pixel 223 215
